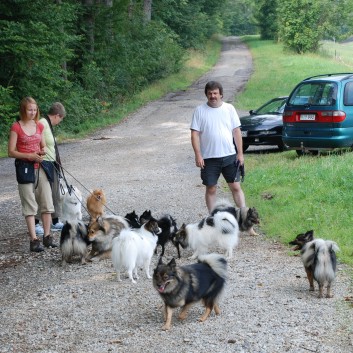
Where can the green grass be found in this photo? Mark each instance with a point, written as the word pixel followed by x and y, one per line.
pixel 341 53
pixel 276 72
pixel 292 194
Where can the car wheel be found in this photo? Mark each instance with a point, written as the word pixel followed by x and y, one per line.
pixel 300 153
pixel 303 153
pixel 282 147
pixel 245 147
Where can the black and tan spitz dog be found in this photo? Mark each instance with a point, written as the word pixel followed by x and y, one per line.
pixel 319 259
pixel 185 285
pixel 74 241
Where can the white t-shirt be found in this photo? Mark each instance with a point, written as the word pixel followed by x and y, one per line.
pixel 216 127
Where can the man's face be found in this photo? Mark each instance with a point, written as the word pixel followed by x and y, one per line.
pixel 214 98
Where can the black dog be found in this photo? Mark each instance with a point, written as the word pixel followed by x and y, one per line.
pixel 169 228
pixel 133 219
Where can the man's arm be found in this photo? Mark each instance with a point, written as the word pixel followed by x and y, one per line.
pixel 239 143
pixel 195 142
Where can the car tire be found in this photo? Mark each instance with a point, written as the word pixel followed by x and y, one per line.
pixel 282 147
pixel 303 153
pixel 245 147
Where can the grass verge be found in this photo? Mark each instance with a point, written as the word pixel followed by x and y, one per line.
pixel 292 194
pixel 277 72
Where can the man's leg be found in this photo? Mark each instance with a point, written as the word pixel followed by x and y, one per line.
pixel 237 193
pixel 210 196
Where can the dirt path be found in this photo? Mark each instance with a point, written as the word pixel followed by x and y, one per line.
pixel 146 162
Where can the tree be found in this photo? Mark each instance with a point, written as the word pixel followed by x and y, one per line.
pixel 267 19
pixel 303 23
pixel 238 17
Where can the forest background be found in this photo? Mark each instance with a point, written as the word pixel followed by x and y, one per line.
pixel 95 55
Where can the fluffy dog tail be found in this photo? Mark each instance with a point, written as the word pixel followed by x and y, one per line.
pixel 320 254
pixel 124 251
pixel 226 222
pixel 217 262
pixel 222 204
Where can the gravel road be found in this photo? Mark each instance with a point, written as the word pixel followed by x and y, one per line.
pixel 147 162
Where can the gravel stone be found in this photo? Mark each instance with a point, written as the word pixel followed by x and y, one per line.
pixel 147 162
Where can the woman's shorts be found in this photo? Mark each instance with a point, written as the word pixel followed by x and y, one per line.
pixel 36 197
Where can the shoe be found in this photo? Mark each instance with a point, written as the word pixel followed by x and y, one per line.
pixel 39 229
pixel 57 226
pixel 48 242
pixel 35 246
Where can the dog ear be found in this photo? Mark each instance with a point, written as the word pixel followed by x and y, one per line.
pixel 172 264
pixel 309 235
pixel 99 220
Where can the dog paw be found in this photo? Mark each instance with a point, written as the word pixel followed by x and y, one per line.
pixel 166 327
pixel 182 316
pixel 252 232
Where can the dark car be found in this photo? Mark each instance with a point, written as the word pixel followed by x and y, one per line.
pixel 264 125
pixel 319 114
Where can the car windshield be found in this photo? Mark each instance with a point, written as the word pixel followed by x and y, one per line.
pixel 314 93
pixel 275 106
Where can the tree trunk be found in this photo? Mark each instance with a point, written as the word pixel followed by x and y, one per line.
pixel 147 10
pixel 64 63
pixel 89 23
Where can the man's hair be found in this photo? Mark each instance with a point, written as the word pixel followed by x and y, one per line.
pixel 57 108
pixel 212 85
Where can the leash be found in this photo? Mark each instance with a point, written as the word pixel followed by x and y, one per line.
pixel 241 168
pixel 71 189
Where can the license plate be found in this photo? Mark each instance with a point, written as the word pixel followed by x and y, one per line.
pixel 244 133
pixel 307 117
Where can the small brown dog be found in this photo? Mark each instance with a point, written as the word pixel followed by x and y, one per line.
pixel 95 203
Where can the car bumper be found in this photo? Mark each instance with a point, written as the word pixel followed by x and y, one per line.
pixel 318 143
pixel 262 140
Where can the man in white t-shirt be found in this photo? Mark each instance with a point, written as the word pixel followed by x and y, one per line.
pixel 214 127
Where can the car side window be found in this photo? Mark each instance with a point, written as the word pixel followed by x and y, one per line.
pixel 348 94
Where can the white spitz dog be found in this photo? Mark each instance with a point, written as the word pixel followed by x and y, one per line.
pixel 221 229
pixel 134 248
pixel 71 203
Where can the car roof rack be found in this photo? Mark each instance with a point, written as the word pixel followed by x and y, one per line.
pixel 347 75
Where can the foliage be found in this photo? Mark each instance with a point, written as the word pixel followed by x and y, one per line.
pixel 194 21
pixel 239 17
pixel 303 23
pixel 267 19
pixel 91 55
